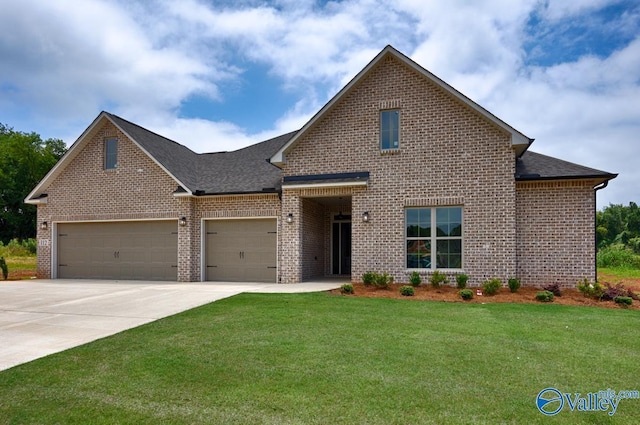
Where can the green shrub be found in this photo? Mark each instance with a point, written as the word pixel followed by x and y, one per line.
pixel 617 256
pixel 438 278
pixel 369 278
pixel 383 280
pixel 461 281
pixel 590 290
pixel 4 268
pixel 623 301
pixel 18 248
pixel 491 286
pixel 514 284
pixel 415 279
pixel 466 294
pixel 347 288
pixel 407 290
pixel 544 296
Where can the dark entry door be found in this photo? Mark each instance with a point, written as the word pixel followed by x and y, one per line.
pixel 341 247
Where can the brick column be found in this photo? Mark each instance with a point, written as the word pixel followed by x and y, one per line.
pixel 290 238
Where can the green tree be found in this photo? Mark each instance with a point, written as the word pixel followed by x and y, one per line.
pixel 619 224
pixel 24 160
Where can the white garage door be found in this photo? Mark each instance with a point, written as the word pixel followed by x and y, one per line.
pixel 138 250
pixel 241 250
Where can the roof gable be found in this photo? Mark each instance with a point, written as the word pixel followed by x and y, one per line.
pixel 135 133
pixel 518 140
pixel 246 170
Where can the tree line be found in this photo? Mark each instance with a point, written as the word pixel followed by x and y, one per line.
pixel 24 160
pixel 619 225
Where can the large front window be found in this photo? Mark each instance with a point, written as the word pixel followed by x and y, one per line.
pixel 434 238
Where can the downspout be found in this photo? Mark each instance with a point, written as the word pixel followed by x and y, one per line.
pixel 595 224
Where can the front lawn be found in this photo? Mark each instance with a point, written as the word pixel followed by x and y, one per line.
pixel 326 359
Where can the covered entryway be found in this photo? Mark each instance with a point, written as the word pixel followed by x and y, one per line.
pixel 131 250
pixel 241 250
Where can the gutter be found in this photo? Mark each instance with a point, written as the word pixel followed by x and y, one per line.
pixel 595 224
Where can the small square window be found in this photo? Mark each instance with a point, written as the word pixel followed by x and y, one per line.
pixel 110 154
pixel 390 129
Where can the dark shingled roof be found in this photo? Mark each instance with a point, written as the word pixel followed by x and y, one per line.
pixel 248 170
pixel 535 166
pixel 243 171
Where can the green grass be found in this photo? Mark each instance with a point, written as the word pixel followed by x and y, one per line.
pixel 21 263
pixel 622 273
pixel 321 359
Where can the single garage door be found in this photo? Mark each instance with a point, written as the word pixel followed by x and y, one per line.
pixel 138 250
pixel 241 250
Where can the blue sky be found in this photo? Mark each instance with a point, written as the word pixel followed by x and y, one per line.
pixel 219 75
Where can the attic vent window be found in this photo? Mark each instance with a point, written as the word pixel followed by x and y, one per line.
pixel 390 129
pixel 111 154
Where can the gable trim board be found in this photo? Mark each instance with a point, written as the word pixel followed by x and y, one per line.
pixel 525 214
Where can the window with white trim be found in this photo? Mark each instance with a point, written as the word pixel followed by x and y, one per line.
pixel 433 238
pixel 390 129
pixel 110 154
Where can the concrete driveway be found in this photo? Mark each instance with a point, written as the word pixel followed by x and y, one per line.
pixel 41 317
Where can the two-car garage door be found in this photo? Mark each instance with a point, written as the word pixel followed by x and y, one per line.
pixel 235 250
pixel 139 250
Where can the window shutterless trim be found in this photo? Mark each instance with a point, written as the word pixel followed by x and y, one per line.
pixel 110 153
pixel 433 239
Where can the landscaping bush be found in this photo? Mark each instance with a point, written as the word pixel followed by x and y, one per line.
pixel 383 280
pixel 623 301
pixel 554 288
pixel 590 290
pixel 437 279
pixel 514 284
pixel 369 278
pixel 347 288
pixel 415 279
pixel 491 286
pixel 4 268
pixel 461 281
pixel 466 294
pixel 612 292
pixel 544 296
pixel 407 290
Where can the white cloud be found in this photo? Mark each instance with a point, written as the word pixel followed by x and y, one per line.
pixel 143 60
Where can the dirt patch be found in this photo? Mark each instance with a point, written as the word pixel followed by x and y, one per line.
pixel 629 282
pixel 450 294
pixel 21 274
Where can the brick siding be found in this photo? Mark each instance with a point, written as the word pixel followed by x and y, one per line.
pixel 449 155
pixel 555 242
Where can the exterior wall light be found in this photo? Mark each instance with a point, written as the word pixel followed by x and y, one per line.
pixel 183 221
pixel 365 216
pixel 290 218
pixel 44 225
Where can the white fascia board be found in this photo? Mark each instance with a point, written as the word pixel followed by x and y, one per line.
pixel 322 185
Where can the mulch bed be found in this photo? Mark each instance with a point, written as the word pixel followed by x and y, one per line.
pixel 450 294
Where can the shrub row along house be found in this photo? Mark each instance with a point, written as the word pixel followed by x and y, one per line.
pixel 398 172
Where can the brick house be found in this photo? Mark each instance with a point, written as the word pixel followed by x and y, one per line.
pixel 399 172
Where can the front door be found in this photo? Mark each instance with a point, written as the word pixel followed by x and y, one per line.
pixel 341 247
